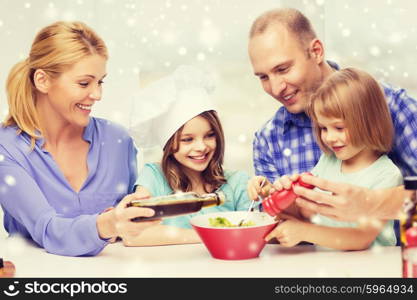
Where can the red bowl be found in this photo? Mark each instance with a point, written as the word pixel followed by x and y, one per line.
pixel 234 243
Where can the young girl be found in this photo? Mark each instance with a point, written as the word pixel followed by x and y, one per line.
pixel 354 129
pixel 191 135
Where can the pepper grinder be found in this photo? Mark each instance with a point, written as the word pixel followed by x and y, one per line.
pixel 280 200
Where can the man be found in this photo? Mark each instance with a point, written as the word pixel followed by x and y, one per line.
pixel 288 58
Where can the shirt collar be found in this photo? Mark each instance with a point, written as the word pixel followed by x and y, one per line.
pixel 300 120
pixel 87 136
pixel 88 131
pixel 333 65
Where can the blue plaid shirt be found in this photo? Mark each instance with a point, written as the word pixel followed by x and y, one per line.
pixel 286 144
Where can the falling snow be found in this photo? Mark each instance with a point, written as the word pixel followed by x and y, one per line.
pixel 15 245
pixel 346 32
pixel 242 138
pixel 316 219
pixel 377 249
pixel 287 152
pixel 182 51
pixel 375 51
pixel 121 188
pixel 10 180
pixel 201 56
pixel 173 232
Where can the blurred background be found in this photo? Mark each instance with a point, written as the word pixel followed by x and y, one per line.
pixel 148 39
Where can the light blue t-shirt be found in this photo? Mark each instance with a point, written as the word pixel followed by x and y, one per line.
pixel 383 173
pixel 153 179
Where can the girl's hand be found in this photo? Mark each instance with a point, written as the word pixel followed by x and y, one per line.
pixel 258 186
pixel 284 182
pixel 289 232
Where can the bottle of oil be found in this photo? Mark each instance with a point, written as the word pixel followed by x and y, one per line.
pixel 178 204
pixel 408 223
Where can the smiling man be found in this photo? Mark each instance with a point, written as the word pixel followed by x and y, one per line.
pixel 288 59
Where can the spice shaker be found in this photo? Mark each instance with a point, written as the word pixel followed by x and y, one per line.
pixel 280 200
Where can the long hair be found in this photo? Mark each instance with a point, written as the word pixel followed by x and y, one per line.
pixel 54 50
pixel 355 97
pixel 213 175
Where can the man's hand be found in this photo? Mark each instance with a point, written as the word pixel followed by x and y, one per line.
pixel 345 202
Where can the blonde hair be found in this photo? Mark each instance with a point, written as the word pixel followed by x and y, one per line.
pixel 355 97
pixel 213 175
pixel 54 50
pixel 292 19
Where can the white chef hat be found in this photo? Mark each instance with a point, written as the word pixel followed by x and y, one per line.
pixel 161 108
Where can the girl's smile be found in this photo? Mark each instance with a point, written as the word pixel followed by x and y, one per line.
pixel 201 158
pixel 197 145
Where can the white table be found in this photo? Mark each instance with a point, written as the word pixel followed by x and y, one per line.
pixel 195 261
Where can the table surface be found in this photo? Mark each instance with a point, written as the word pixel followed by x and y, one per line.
pixel 194 260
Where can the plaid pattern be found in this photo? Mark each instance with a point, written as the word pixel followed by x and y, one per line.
pixel 286 145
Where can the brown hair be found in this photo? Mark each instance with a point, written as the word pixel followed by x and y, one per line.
pixel 213 175
pixel 357 98
pixel 54 50
pixel 290 18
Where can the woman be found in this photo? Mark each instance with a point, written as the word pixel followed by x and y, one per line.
pixel 61 168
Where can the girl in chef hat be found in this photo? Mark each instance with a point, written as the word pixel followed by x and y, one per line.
pixel 177 114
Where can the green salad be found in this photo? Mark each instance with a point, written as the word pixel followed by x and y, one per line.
pixel 224 222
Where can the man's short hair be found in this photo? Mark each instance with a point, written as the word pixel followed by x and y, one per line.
pixel 290 18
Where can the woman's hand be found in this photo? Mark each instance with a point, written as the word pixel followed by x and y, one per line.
pixel 117 222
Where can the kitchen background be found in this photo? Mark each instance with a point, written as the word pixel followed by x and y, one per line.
pixel 148 39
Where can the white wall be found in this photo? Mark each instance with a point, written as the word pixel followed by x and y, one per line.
pixel 149 38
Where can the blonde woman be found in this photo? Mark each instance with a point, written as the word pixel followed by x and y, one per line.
pixel 353 127
pixel 61 168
